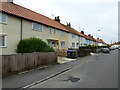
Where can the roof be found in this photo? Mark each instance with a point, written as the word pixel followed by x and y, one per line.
pixel 100 41
pixel 22 12
pixel 116 43
pixel 72 30
pixel 90 38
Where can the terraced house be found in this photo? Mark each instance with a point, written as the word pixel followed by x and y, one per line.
pixel 19 23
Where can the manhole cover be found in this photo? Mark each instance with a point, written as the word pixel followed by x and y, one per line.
pixel 73 79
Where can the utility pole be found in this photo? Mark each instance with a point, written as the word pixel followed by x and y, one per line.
pixel 96 41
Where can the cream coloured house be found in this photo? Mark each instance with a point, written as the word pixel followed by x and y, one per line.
pixel 19 23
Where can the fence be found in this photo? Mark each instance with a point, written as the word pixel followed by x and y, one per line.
pixel 62 53
pixel 21 62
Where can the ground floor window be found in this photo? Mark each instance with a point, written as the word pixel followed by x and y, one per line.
pixel 73 45
pixel 2 40
pixel 62 44
pixel 49 43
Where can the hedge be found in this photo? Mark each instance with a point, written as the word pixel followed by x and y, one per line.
pixel 33 45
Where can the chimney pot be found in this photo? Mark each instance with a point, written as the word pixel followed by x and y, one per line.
pixel 68 24
pixel 57 19
pixel 82 32
pixel 89 35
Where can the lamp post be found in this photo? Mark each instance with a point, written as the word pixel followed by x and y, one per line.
pixel 96 40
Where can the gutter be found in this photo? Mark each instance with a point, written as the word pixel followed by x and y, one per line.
pixel 21 29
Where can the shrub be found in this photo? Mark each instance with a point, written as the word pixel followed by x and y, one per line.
pixel 33 45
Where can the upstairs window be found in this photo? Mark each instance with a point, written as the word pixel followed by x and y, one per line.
pixel 73 35
pixel 62 33
pixel 52 31
pixel 3 18
pixel 37 27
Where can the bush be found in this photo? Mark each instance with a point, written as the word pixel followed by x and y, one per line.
pixel 33 45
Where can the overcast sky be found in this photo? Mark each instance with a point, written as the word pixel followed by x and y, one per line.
pixel 92 15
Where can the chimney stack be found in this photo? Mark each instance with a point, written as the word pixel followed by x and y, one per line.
pixel 57 19
pixel 82 32
pixel 89 35
pixel 68 24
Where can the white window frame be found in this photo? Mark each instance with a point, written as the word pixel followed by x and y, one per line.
pixel 61 44
pixel 55 31
pixel 1 21
pixel 52 30
pixel 39 26
pixel 72 44
pixel 73 35
pixel 62 33
pixel 5 38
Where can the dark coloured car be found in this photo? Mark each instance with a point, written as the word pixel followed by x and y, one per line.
pixel 105 50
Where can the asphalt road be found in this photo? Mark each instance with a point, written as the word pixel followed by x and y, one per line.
pixel 98 72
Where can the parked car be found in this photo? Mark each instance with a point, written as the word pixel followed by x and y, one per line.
pixel 119 48
pixel 111 48
pixel 105 50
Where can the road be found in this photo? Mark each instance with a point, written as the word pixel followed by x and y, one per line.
pixel 98 72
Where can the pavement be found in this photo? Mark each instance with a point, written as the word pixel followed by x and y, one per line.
pixel 23 79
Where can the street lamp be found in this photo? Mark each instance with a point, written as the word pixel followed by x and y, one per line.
pixel 96 40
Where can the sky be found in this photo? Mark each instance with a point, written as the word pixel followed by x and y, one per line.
pixel 92 15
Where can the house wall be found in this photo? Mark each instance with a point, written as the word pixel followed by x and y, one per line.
pixel 82 41
pixel 87 42
pixel 13 31
pixel 73 40
pixel 44 35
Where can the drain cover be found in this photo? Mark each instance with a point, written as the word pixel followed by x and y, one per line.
pixel 73 79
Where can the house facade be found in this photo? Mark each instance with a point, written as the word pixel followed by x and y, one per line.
pixel 18 23
pixel 17 26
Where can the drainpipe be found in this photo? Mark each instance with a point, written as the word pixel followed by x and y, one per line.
pixel 21 29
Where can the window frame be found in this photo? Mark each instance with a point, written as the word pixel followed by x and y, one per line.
pixel 38 25
pixel 1 15
pixel 62 33
pixel 73 35
pixel 50 31
pixel 72 44
pixel 62 45
pixel 5 42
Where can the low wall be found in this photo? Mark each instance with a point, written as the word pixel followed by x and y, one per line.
pixel 21 62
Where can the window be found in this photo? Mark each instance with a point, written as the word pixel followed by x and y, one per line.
pixel 62 33
pixel 49 43
pixel 3 18
pixel 52 31
pixel 73 44
pixel 77 44
pixel 37 27
pixel 55 45
pixel 73 35
pixel 62 44
pixel 2 40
